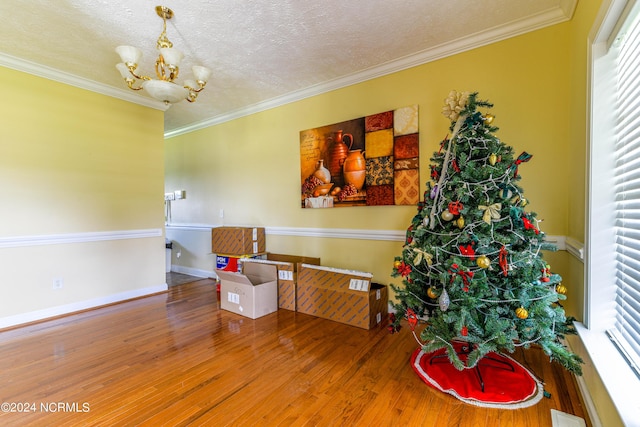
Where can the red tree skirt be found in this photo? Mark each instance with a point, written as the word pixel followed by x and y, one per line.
pixel 503 387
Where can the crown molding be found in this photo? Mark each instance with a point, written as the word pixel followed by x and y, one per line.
pixel 535 22
pixel 557 15
pixel 32 68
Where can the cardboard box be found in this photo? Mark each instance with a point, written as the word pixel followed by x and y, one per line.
pixel 252 293
pixel 237 240
pixel 232 263
pixel 344 296
pixel 287 266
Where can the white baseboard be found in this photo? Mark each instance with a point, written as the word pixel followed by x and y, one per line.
pixel 588 402
pixel 34 316
pixel 193 271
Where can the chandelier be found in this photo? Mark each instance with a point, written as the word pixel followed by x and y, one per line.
pixel 164 87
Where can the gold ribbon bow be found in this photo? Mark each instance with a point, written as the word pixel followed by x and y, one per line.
pixel 491 212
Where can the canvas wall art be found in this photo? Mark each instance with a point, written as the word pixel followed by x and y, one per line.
pixel 368 161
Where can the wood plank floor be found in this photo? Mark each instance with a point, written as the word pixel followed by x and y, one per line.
pixel 178 359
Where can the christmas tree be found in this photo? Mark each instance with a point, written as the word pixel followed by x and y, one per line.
pixel 471 264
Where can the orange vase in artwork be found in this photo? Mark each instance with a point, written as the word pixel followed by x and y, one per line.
pixel 338 154
pixel 354 169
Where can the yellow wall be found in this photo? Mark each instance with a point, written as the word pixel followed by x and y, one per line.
pixel 73 164
pixel 250 167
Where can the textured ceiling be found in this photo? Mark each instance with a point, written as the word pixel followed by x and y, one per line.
pixel 262 53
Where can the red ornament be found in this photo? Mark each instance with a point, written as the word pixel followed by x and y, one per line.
pixel 404 269
pixel 502 260
pixel 528 225
pixel 434 173
pixel 466 275
pixel 446 138
pixel 412 318
pixel 467 251
pixel 455 208
pixel 455 166
pixel 545 275
pixel 464 331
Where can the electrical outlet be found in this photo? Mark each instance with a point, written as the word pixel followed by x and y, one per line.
pixel 180 194
pixel 221 213
pixel 58 283
pixel 169 196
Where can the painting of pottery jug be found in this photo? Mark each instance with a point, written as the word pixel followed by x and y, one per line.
pixel 338 153
pixel 322 173
pixel 355 168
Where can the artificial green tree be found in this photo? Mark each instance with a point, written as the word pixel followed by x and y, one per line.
pixel 472 265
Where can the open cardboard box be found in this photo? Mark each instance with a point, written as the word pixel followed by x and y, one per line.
pixel 252 293
pixel 344 296
pixel 287 266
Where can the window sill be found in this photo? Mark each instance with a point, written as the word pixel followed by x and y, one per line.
pixel 621 383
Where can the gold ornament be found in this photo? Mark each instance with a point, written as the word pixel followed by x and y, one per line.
pixel 522 313
pixel 493 158
pixel 446 215
pixel 431 292
pixel 397 264
pixel 561 289
pixel 460 222
pixel 483 262
pixel 488 118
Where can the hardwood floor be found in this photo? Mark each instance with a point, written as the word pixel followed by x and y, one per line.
pixel 178 359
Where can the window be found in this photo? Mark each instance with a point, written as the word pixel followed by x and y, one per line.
pixel 612 267
pixel 626 330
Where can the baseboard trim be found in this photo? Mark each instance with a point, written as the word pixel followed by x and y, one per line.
pixel 193 271
pixel 62 310
pixel 588 402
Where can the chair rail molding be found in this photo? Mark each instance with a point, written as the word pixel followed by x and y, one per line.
pixel 561 242
pixel 95 236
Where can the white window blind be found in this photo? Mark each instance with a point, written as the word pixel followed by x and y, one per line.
pixel 626 331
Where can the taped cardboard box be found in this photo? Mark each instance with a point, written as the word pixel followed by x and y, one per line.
pixel 252 293
pixel 344 296
pixel 238 240
pixel 287 266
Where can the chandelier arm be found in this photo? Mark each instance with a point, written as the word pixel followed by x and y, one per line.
pixel 161 70
pixel 200 88
pixel 130 83
pixel 132 70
